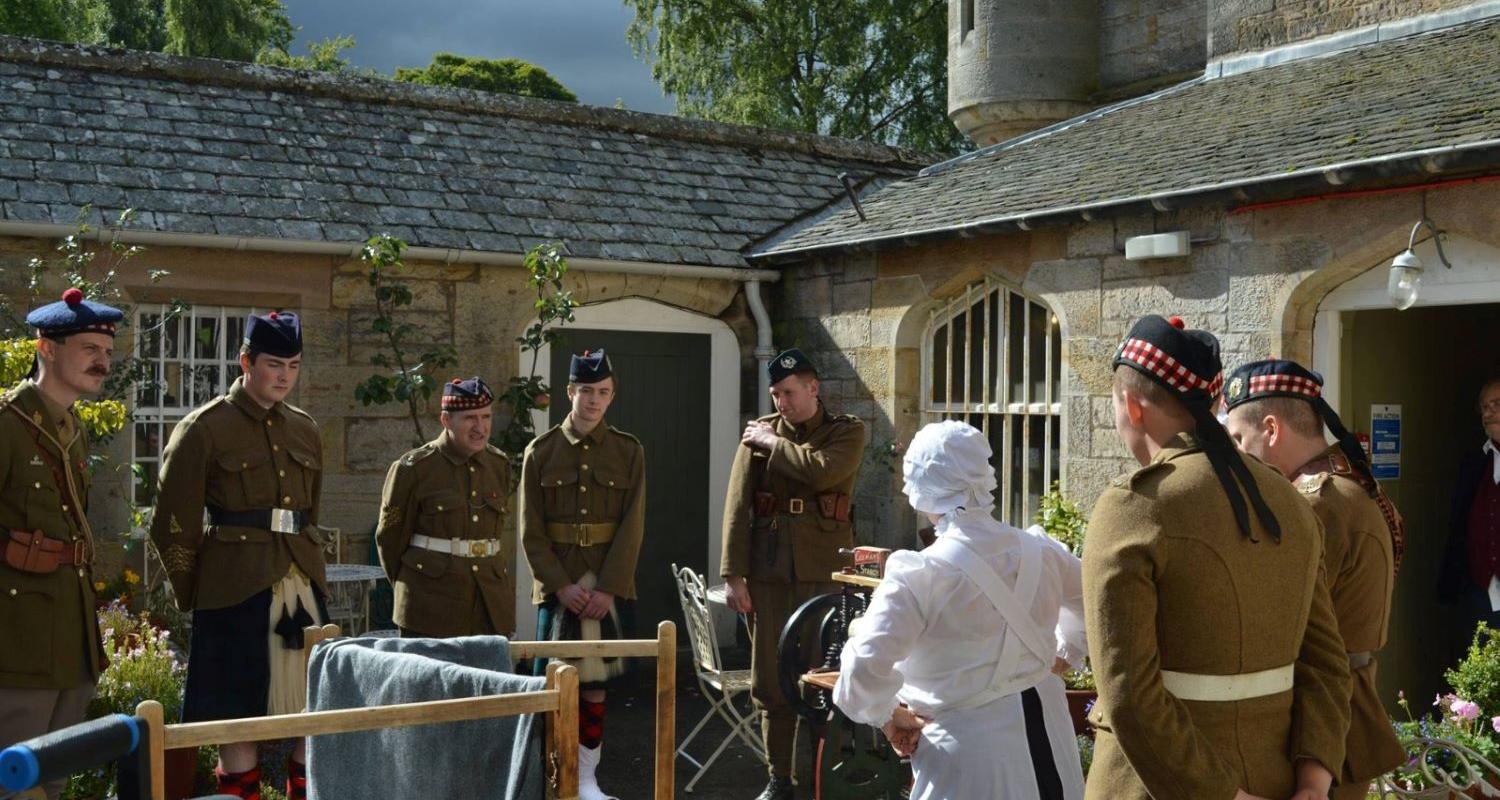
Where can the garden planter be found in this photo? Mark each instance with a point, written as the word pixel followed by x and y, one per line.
pixel 1079 701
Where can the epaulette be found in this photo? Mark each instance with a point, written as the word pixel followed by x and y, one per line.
pixel 630 436
pixel 418 454
pixel 294 409
pixel 1312 484
pixel 1127 480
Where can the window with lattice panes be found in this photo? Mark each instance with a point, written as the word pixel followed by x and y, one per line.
pixel 992 357
pixel 189 360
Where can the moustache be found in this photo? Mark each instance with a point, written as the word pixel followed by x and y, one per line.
pixel 99 371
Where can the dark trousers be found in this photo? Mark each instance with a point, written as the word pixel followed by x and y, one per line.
pixel 780 725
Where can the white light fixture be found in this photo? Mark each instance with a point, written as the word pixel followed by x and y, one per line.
pixel 1157 245
pixel 1405 281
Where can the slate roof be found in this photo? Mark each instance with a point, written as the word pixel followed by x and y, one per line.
pixel 1257 128
pixel 211 147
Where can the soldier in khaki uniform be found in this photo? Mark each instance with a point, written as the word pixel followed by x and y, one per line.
pixel 52 655
pixel 1276 413
pixel 583 515
pixel 254 576
pixel 1220 669
pixel 442 515
pixel 786 518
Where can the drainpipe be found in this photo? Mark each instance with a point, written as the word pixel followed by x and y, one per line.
pixel 764 349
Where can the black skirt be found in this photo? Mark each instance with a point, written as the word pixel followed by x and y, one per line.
pixel 229 666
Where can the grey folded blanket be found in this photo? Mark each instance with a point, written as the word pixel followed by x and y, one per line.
pixel 489 758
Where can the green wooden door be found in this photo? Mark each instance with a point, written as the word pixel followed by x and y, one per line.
pixel 663 401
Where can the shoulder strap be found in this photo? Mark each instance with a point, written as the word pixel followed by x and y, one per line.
pixel 1014 608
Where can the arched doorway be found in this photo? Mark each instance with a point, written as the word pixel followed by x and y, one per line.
pixel 1429 361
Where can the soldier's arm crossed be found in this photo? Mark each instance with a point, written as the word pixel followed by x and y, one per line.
pixel 617 576
pixel 825 466
pixel 393 533
pixel 177 522
pixel 545 565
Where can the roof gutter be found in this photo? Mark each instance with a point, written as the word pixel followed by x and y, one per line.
pixel 1449 159
pixel 51 230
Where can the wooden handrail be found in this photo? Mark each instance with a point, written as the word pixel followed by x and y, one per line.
pixel 559 701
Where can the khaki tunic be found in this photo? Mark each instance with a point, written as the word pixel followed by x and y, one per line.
pixel 233 454
pixel 52 635
pixel 788 557
pixel 1361 577
pixel 821 455
pixel 1170 583
pixel 438 491
pixel 568 477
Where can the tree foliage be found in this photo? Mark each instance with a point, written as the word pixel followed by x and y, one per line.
pixel 504 76
pixel 237 30
pixel 863 69
pixel 326 55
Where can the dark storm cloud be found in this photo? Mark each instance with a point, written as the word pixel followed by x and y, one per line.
pixel 581 42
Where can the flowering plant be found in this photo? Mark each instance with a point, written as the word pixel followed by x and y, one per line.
pixel 143 665
pixel 121 588
pixel 1456 721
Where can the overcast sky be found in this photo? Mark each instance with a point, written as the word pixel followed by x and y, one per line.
pixel 581 42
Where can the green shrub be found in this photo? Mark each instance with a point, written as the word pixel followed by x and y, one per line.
pixel 1477 676
pixel 1062 520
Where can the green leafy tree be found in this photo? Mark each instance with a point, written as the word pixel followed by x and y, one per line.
pixel 863 69
pixel 41 19
pixel 134 24
pixel 503 76
pixel 237 30
pixel 326 55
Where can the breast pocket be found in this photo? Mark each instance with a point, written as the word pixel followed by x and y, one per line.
pixel 308 466
pixel 44 507
pixel 491 518
pixel 247 480
pixel 440 514
pixel 560 494
pixel 608 487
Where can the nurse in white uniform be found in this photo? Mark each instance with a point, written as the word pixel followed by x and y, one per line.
pixel 957 654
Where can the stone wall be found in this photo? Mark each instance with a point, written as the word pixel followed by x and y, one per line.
pixel 1239 26
pixel 1143 42
pixel 1255 278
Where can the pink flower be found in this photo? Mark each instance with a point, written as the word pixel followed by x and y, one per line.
pixel 1495 723
pixel 1465 710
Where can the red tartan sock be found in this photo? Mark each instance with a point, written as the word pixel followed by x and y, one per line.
pixel 590 724
pixel 296 779
pixel 245 785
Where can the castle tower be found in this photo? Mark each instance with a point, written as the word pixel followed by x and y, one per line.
pixel 1018 65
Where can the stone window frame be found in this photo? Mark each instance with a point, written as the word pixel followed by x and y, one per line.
pixel 1007 367
pixel 212 365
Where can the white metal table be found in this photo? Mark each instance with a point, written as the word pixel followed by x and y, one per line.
pixel 352 584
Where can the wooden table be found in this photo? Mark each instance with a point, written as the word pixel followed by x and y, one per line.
pixel 862 581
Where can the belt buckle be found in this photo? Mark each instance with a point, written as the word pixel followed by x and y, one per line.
pixel 284 520
pixel 479 548
pixel 585 539
pixel 79 552
pixel 795 505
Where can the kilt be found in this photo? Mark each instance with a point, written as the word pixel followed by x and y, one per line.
pixel 555 623
pixel 229 660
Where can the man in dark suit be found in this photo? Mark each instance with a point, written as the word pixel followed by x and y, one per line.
pixel 1471 566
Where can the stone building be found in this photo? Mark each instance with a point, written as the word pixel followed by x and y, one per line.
pixel 1280 180
pixel 255 189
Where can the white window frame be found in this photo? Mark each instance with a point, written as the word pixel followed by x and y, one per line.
pixel 163 417
pixel 990 301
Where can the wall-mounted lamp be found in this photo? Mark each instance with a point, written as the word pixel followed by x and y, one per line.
pixel 1405 281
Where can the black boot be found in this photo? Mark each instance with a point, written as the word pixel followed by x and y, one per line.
pixel 777 789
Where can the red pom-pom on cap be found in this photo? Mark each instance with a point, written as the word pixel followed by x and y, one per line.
pixel 456 381
pixel 273 316
pixel 1176 322
pixel 73 296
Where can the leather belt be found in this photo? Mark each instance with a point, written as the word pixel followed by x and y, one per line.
pixel 464 548
pixel 276 520
pixel 74 552
pixel 1228 688
pixel 583 534
pixel 1361 659
pixel 793 506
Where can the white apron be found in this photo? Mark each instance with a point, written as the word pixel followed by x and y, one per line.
pixel 1013 740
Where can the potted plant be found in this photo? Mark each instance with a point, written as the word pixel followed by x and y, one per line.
pixel 1064 521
